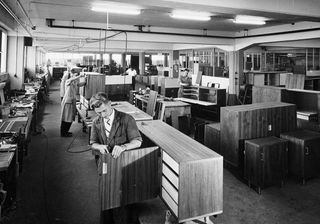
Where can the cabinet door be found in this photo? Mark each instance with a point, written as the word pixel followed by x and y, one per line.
pixel 311 159
pixel 274 164
pixel 131 178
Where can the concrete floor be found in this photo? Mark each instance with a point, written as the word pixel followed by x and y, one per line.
pixel 61 187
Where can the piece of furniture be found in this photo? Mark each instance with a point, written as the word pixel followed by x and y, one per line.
pixel 173 111
pixel 169 87
pixel 262 94
pixel 212 136
pixel 152 103
pixel 269 78
pixel 304 153
pixel 295 81
pixel 118 86
pixel 307 101
pixel 239 123
pixel 131 178
pixel 57 72
pixel 312 82
pixel 191 174
pixel 202 93
pixel 265 161
pixel 95 82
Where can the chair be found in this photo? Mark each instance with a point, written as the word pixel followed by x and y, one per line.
pixel 151 105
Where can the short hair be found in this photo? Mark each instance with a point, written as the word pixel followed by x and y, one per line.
pixel 100 96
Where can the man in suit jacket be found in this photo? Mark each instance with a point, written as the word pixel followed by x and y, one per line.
pixel 112 132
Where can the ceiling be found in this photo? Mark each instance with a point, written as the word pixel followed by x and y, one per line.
pixel 155 17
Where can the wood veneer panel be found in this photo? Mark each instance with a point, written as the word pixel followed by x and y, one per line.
pixel 95 83
pixel 200 188
pixel 131 178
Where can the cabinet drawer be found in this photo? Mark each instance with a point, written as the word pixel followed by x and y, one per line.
pixel 170 202
pixel 170 189
pixel 170 162
pixel 170 175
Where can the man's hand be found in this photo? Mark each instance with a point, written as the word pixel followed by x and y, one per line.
pixel 117 150
pixel 103 149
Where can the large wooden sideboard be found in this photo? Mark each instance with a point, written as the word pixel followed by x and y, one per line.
pixel 191 174
pixel 239 123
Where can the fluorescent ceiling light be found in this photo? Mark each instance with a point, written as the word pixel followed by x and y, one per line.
pixel 254 20
pixel 191 15
pixel 116 7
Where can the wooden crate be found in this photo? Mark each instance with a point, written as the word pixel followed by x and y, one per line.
pixel 266 161
pixel 212 136
pixel 251 121
pixel 304 153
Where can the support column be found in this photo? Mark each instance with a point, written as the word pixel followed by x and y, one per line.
pixel 15 61
pixel 141 63
pixel 175 67
pixel 32 55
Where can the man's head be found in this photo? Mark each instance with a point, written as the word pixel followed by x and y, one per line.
pixel 76 70
pixel 101 104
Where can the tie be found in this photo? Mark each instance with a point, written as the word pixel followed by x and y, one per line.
pixel 108 127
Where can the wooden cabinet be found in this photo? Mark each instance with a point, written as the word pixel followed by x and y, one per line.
pixel 265 161
pixel 131 178
pixel 57 72
pixel 304 153
pixel 307 101
pixel 95 82
pixel 169 87
pixel 242 122
pixel 191 175
pixel 207 94
pixel 262 94
pixel 212 136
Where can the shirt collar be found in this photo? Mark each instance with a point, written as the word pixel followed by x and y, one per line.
pixel 111 117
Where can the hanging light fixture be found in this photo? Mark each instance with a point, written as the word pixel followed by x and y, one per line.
pixel 190 15
pixel 116 7
pixel 254 20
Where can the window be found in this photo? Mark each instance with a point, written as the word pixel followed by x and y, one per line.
pixel 3 51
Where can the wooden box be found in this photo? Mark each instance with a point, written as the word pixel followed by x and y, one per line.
pixel 265 161
pixel 95 82
pixel 192 174
pixel 304 153
pixel 251 121
pixel 212 136
pixel 131 178
pixel 262 94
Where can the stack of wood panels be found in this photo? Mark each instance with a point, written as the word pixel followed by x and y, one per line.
pixel 239 123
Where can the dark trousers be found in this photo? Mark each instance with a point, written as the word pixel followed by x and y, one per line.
pixel 64 128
